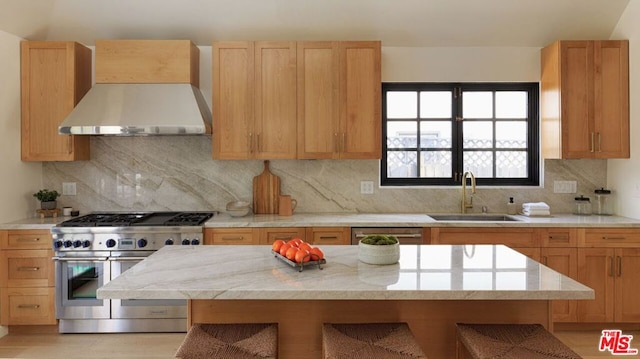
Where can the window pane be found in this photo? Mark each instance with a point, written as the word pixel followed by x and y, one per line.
pixel 511 134
pixel 480 163
pixel 508 258
pixel 511 164
pixel 477 257
pixel 477 104
pixel 511 104
pixel 435 104
pixel 402 104
pixel 477 134
pixel 511 281
pixel 437 257
pixel 402 164
pixel 402 134
pixel 435 134
pixel 477 281
pixel 435 164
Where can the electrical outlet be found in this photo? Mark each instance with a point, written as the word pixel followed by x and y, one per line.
pixel 366 187
pixel 565 186
pixel 69 188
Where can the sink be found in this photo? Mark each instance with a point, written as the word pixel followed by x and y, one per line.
pixel 474 217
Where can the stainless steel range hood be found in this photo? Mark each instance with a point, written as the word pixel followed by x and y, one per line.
pixel 139 109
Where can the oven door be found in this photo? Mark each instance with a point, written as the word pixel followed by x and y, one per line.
pixel 141 308
pixel 78 277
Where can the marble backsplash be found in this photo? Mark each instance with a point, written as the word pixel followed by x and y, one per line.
pixel 178 173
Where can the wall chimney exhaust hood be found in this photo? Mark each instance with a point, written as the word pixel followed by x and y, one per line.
pixel 143 87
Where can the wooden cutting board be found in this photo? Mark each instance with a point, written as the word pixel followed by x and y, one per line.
pixel 266 190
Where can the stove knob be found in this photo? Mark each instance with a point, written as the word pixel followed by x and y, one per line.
pixel 77 244
pixel 168 242
pixel 86 243
pixel 68 243
pixel 142 243
pixel 111 243
pixel 185 242
pixel 57 244
pixel 195 242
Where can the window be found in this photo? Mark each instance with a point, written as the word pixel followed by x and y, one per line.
pixel 437 131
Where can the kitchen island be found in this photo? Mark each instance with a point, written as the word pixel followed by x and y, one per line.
pixel 432 288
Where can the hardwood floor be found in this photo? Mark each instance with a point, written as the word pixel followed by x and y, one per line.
pixel 139 346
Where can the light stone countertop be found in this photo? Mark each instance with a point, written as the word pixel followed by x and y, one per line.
pixel 223 220
pixel 425 272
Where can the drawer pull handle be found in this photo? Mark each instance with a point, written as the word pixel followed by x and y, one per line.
pixel 232 238
pixel 559 238
pixel 328 237
pixel 612 238
pixel 28 269
pixel 28 306
pixel 25 239
pixel 619 266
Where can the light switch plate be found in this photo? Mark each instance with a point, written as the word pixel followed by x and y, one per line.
pixel 68 188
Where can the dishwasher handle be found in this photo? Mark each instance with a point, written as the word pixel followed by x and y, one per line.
pixel 399 235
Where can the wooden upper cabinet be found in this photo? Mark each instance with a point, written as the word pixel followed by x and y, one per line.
pixel 55 75
pixel 339 103
pixel 306 100
pixel 254 100
pixel 585 99
pixel 147 61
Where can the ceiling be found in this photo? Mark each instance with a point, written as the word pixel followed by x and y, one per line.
pixel 423 23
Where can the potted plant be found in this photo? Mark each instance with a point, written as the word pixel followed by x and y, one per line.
pixel 47 198
pixel 379 249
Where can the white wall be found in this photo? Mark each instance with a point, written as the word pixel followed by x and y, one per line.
pixel 623 176
pixel 18 180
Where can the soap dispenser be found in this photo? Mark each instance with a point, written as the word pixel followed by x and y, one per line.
pixel 511 206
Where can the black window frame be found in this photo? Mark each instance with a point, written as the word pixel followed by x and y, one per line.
pixel 533 146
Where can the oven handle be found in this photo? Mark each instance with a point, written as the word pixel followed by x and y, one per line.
pixel 80 259
pixel 126 259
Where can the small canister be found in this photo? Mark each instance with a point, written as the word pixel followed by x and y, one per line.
pixel 604 202
pixel 582 206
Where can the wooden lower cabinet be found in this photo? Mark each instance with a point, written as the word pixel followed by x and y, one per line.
pixel 613 274
pixel 524 240
pixel 231 236
pixel 328 235
pixel 27 281
pixel 565 261
pixel 269 235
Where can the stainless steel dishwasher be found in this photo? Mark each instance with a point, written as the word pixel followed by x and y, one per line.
pixel 405 235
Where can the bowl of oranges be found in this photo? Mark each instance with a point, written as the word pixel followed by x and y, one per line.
pixel 298 253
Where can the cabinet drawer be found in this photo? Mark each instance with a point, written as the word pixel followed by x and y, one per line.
pixel 559 237
pixel 231 236
pixel 328 235
pixel 610 237
pixel 269 235
pixel 27 239
pixel 512 237
pixel 26 268
pixel 28 306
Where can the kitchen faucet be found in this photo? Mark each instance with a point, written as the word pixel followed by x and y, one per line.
pixel 466 205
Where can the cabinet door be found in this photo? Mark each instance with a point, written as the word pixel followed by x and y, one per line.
pixel 627 285
pixel 511 237
pixel 269 235
pixel 328 235
pixel 233 100
pixel 275 100
pixel 55 75
pixel 360 110
pixel 596 270
pixel 611 99
pixel 565 261
pixel 318 100
pixel 577 99
pixel 231 236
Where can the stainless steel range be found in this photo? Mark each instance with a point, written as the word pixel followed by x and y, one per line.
pixel 93 249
